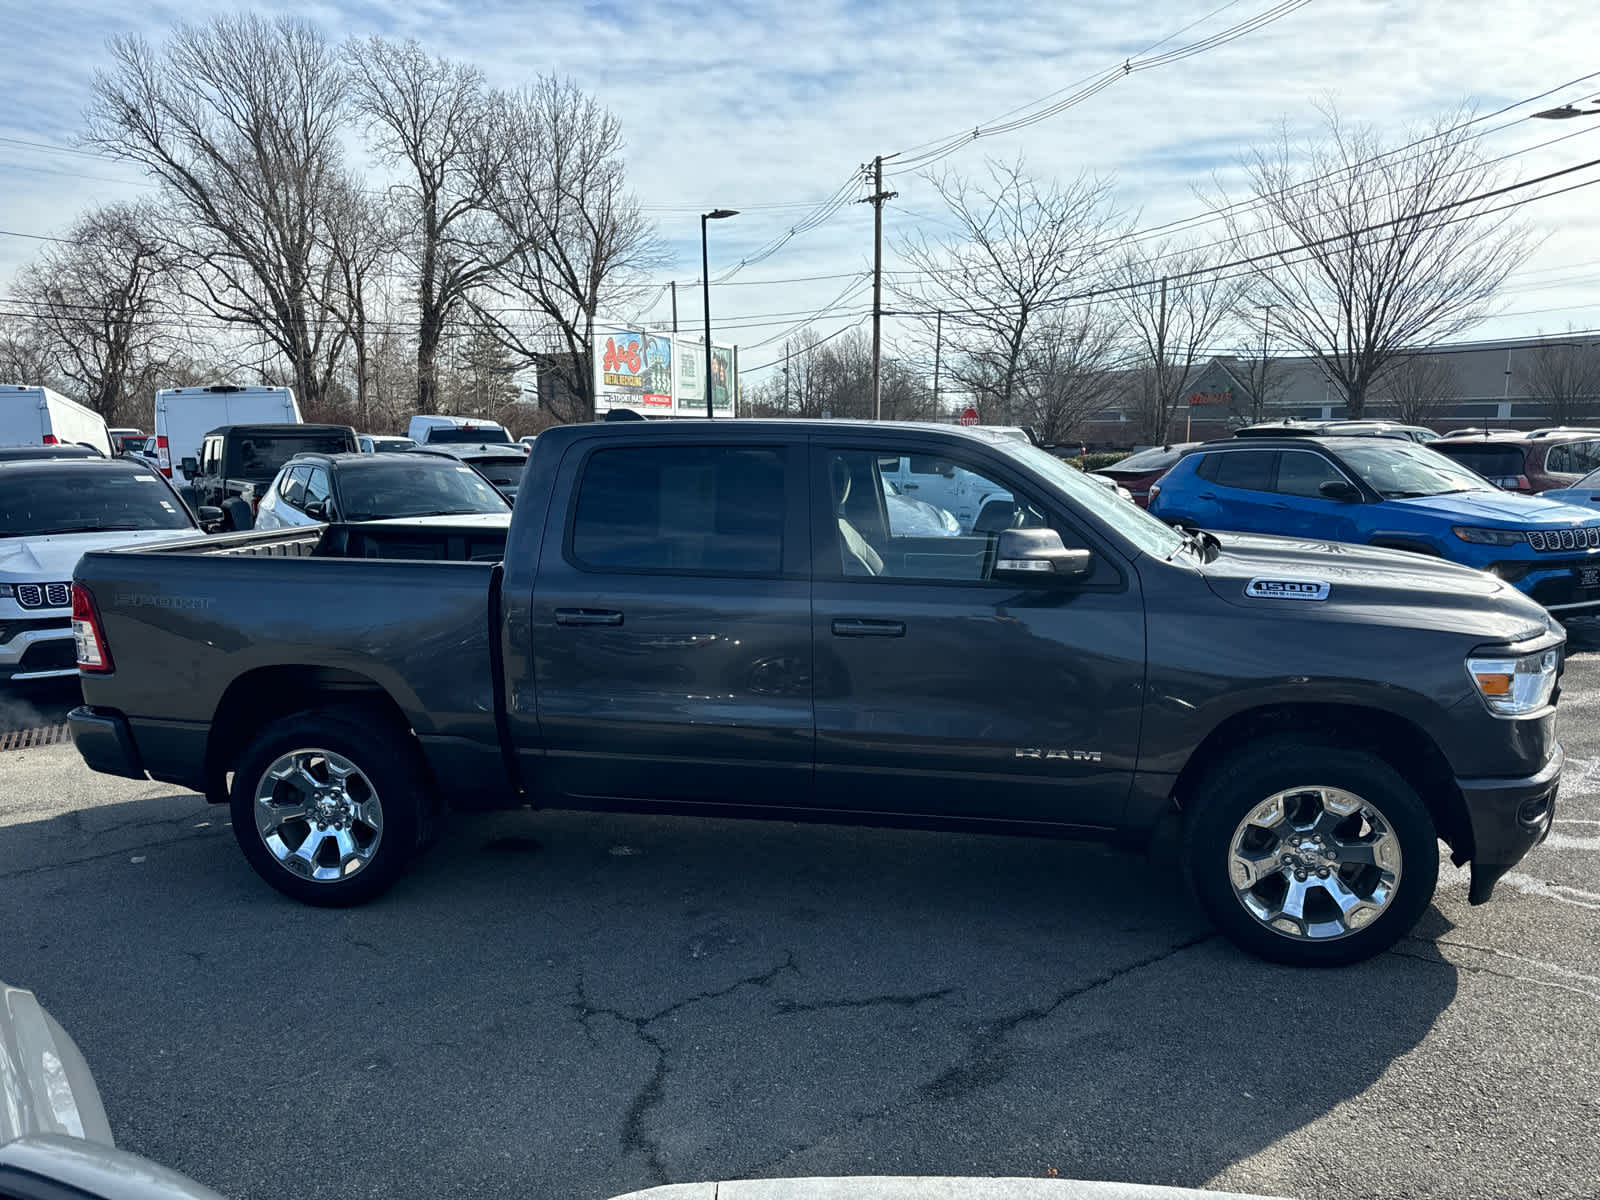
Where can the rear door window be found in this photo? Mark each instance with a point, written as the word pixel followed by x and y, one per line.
pixel 1247 470
pixel 690 509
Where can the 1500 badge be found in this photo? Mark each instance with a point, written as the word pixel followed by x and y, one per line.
pixel 1287 589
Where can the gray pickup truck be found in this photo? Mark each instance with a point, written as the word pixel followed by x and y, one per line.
pixel 718 618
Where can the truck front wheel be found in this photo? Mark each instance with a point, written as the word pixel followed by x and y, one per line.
pixel 328 805
pixel 1310 854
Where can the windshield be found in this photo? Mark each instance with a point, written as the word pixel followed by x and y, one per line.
pixel 415 486
pixel 34 503
pixel 468 435
pixel 1396 470
pixel 395 443
pixel 258 456
pixel 1132 522
pixel 502 472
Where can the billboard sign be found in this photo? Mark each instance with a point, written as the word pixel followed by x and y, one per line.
pixel 659 374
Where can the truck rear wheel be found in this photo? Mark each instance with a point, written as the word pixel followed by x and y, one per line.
pixel 1310 854
pixel 328 805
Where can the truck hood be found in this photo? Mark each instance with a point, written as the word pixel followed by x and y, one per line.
pixel 1249 570
pixel 52 559
pixel 1497 510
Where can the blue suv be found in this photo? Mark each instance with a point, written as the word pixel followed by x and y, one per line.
pixel 1382 492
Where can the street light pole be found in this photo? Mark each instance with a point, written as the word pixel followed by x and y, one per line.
pixel 716 214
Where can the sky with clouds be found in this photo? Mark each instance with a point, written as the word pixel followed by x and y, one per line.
pixel 770 108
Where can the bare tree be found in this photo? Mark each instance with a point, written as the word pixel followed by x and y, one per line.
pixel 1262 376
pixel 1365 254
pixel 1068 373
pixel 1566 376
pixel 1417 386
pixel 239 120
pixel 1022 249
pixel 573 237
pixel 94 298
pixel 360 239
pixel 24 355
pixel 428 115
pixel 1174 304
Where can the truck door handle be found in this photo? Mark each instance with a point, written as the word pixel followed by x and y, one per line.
pixel 859 627
pixel 909 487
pixel 587 616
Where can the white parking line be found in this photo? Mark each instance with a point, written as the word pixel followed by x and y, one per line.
pixel 1567 841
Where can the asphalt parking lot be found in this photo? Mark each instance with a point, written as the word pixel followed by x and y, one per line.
pixel 557 1005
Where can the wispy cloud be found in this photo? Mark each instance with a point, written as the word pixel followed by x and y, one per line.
pixel 755 105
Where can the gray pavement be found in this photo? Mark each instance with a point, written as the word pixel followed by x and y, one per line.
pixel 568 1005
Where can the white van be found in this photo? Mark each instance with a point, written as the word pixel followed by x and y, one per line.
pixel 37 416
pixel 185 415
pixel 435 430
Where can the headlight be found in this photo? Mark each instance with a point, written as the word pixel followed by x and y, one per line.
pixel 1514 685
pixel 1490 537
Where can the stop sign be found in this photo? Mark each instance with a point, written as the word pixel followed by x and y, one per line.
pixel 969 417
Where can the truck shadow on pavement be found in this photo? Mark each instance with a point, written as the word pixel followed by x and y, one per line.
pixel 574 1005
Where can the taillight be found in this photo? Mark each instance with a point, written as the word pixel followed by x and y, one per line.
pixel 1155 490
pixel 94 652
pixel 163 456
pixel 50 440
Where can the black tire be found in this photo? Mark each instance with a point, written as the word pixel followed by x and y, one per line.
pixel 1234 788
pixel 391 770
pixel 236 515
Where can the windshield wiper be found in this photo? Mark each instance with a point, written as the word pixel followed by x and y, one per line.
pixel 118 528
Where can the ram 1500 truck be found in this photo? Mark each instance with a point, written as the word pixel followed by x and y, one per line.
pixel 718 618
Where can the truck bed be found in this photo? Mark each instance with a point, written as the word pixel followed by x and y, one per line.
pixel 223 625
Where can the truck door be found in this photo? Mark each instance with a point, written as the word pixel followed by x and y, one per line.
pixel 942 692
pixel 672 623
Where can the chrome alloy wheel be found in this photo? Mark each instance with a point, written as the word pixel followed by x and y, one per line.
pixel 1314 863
pixel 318 815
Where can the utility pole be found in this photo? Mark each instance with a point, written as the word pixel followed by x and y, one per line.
pixel 786 378
pixel 876 200
pixel 938 346
pixel 674 306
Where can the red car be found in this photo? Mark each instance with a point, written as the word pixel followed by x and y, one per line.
pixel 1525 462
pixel 1138 471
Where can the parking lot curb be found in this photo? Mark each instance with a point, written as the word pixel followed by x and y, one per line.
pixel 924 1187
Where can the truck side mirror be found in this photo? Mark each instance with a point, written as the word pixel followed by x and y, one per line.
pixel 1037 556
pixel 1340 490
pixel 189 466
pixel 210 517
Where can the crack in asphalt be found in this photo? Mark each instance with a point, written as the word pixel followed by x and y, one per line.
pixel 974 1072
pixel 986 1062
pixel 23 872
pixel 634 1137
pixel 787 1007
